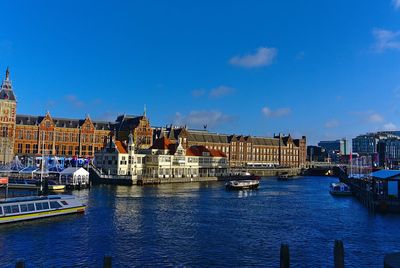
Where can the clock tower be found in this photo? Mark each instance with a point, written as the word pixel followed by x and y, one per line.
pixel 8 106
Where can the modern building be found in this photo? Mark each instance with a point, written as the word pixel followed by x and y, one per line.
pixel 29 135
pixel 337 146
pixel 365 144
pixel 316 154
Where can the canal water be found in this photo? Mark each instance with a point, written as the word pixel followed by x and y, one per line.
pixel 203 225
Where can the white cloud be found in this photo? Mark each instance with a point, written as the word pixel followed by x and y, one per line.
pixel 386 39
pixel 332 124
pixel 389 126
pixel 198 93
pixel 267 112
pixel 375 118
pixel 74 101
pixel 396 4
pixel 221 91
pixel 199 119
pixel 264 56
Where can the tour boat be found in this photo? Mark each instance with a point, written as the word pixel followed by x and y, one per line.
pixel 241 176
pixel 242 185
pixel 340 189
pixel 36 207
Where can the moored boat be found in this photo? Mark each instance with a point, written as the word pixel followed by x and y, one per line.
pixel 25 184
pixel 340 189
pixel 242 185
pixel 36 207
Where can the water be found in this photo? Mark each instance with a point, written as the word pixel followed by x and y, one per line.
pixel 203 225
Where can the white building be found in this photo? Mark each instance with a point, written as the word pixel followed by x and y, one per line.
pixel 119 159
pixel 164 159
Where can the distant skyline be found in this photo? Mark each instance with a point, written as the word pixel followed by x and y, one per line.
pixel 326 70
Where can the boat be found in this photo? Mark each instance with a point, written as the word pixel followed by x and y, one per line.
pixel 36 207
pixel 284 176
pixel 33 185
pixel 340 189
pixel 23 184
pixel 53 186
pixel 240 176
pixel 242 185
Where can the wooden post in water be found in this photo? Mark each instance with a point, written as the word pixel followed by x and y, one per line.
pixel 20 264
pixel 107 262
pixel 285 257
pixel 338 254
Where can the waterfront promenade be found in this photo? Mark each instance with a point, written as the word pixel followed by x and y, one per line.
pixel 203 225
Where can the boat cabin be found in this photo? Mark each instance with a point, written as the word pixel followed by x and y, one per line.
pixel 387 184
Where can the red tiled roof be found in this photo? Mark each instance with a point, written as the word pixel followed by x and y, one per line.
pixel 162 144
pixel 199 150
pixel 120 147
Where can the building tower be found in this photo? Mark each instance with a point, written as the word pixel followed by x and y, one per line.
pixel 8 106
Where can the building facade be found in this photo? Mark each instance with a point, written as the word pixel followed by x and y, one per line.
pixel 337 146
pixel 243 151
pixel 29 135
pixel 8 107
pixel 164 160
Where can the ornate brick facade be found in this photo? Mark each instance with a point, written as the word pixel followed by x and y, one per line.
pixel 27 135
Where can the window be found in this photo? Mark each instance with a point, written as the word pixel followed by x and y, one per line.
pixel 64 203
pixel 4 131
pixel 28 149
pixel 20 148
pixel 1 211
pixel 31 207
pixel 15 208
pixel 24 208
pixel 39 206
pixel 35 148
pixel 7 209
pixel 45 205
pixel 54 204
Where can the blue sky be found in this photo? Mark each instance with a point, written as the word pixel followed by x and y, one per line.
pixel 324 69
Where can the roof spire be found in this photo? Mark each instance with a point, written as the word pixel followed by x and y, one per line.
pixel 145 111
pixel 8 74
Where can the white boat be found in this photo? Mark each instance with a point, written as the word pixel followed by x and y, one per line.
pixel 242 185
pixel 36 207
pixel 339 189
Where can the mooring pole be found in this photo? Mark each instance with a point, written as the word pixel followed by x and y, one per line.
pixel 285 257
pixel 107 262
pixel 338 254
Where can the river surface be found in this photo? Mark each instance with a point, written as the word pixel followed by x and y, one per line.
pixel 203 225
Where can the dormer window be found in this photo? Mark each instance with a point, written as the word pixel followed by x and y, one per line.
pixel 47 124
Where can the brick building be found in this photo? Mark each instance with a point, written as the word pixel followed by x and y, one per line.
pixel 28 135
pixel 243 150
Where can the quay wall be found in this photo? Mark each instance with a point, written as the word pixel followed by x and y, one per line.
pixel 97 178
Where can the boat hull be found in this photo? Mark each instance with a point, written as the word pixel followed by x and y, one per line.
pixel 40 215
pixel 242 185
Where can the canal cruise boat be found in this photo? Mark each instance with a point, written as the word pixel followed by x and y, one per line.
pixel 242 185
pixel 36 207
pixel 340 189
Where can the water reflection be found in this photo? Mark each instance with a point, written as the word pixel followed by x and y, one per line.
pixel 202 225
